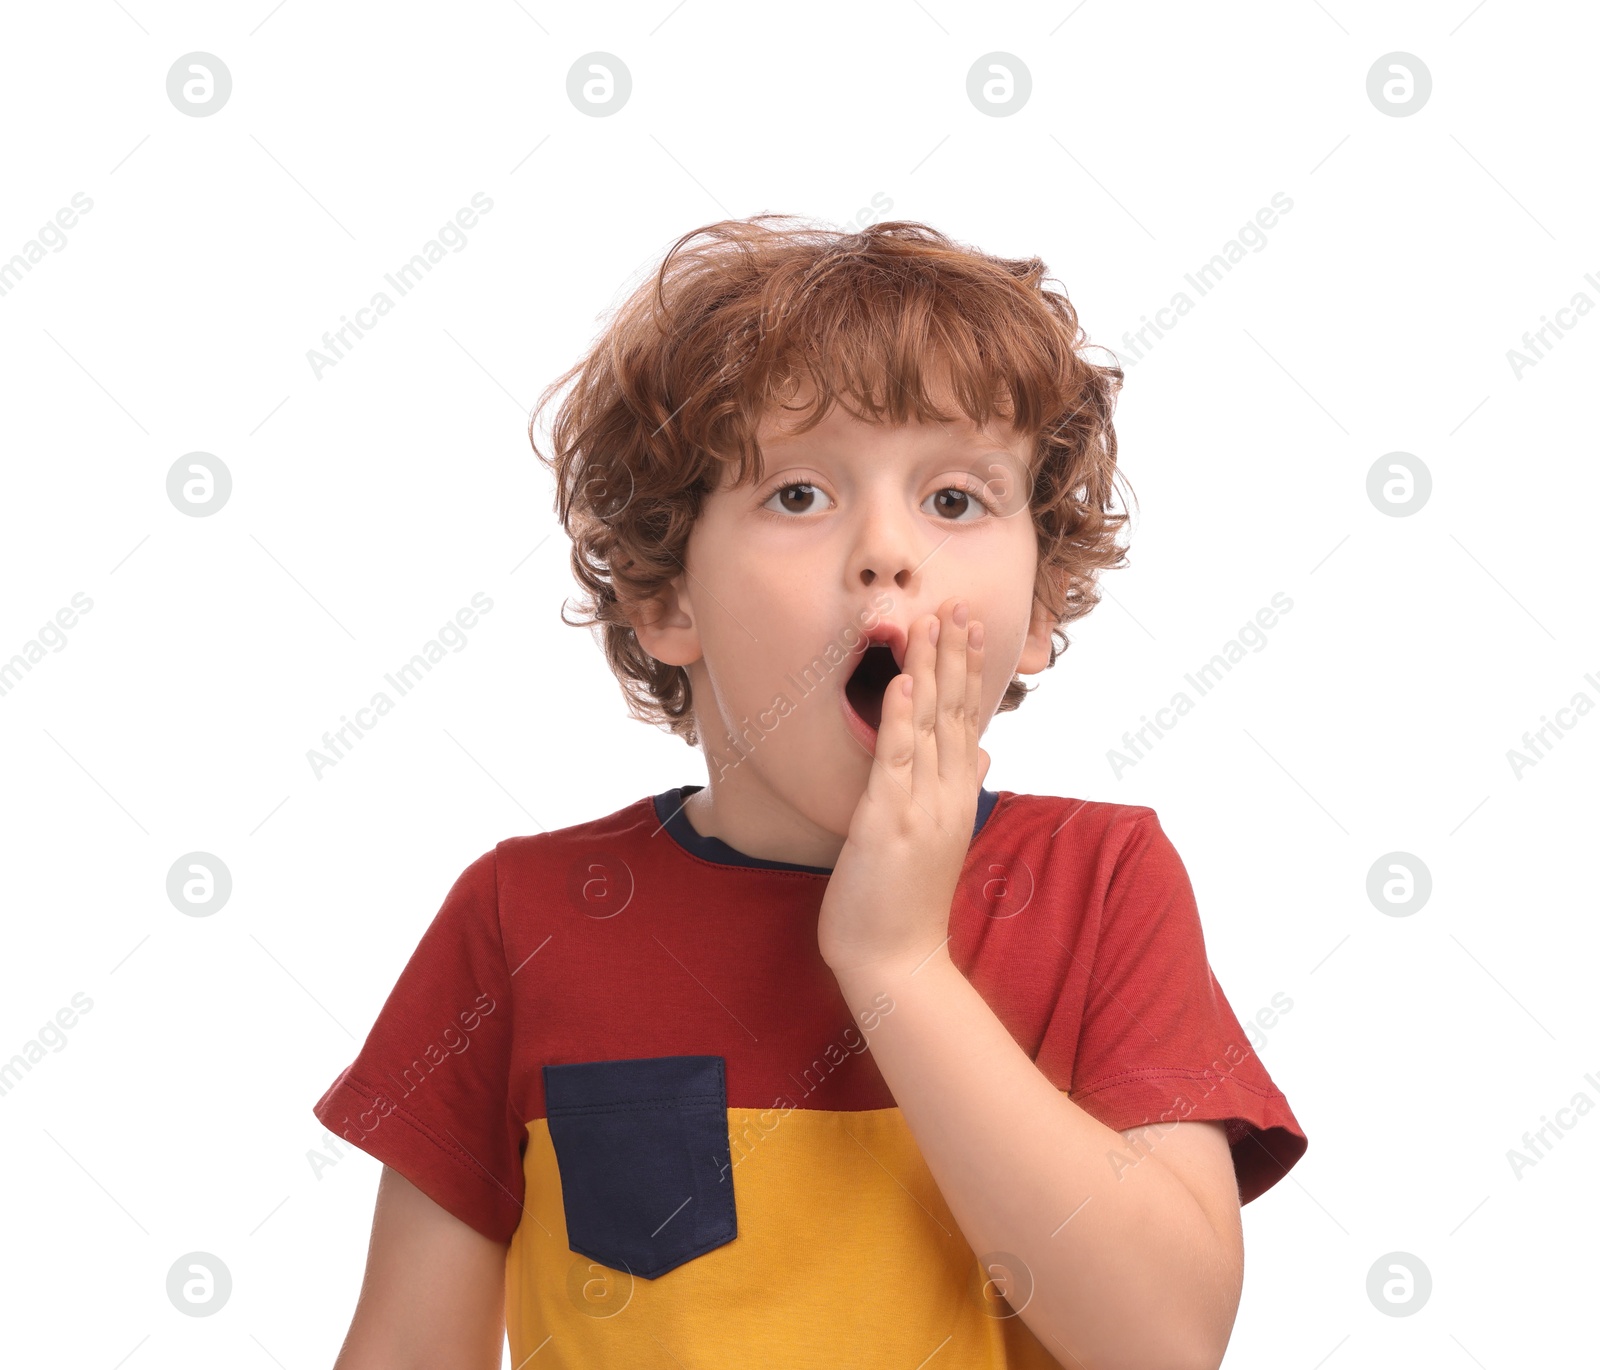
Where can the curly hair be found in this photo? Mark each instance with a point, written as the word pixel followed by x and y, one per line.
pixel 737 316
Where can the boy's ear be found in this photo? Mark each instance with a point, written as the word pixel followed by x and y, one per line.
pixel 666 629
pixel 1036 646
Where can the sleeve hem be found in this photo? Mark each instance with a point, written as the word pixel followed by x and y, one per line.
pixel 464 1189
pixel 1264 1136
pixel 1151 1074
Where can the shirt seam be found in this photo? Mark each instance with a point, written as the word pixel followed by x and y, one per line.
pixel 1174 1073
pixel 650 809
pixel 452 1150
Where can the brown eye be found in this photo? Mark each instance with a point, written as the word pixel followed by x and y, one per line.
pixel 954 505
pixel 797 497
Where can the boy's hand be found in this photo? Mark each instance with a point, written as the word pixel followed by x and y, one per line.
pixel 887 905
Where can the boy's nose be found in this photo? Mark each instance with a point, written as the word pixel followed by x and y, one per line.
pixel 889 553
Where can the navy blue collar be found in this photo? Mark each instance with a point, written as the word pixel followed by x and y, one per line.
pixel 670 814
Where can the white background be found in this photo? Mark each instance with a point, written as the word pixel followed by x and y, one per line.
pixel 369 505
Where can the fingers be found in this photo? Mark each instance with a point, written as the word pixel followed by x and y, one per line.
pixel 923 651
pixel 974 685
pixel 955 756
pixel 894 752
pixel 929 736
pixel 946 667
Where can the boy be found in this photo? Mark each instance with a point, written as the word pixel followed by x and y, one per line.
pixel 841 1058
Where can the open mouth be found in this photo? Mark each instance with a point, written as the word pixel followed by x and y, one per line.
pixel 863 691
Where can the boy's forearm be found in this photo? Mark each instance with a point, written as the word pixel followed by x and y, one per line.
pixel 1127 1269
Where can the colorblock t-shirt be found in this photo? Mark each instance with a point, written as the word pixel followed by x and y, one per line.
pixel 618 1049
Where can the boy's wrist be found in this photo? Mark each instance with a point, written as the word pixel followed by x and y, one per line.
pixel 864 978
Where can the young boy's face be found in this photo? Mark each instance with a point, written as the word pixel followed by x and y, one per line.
pixel 853 531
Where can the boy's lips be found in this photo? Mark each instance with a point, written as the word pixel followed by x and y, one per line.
pixel 890 635
pixel 868 695
pixel 858 727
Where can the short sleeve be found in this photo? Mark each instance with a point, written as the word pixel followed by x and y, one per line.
pixel 428 1092
pixel 1158 1041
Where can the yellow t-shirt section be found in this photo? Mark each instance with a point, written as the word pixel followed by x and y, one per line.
pixel 846 1255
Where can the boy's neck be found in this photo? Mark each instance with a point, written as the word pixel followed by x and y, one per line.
pixel 755 822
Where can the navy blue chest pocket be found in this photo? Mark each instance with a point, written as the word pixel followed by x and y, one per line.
pixel 642 1146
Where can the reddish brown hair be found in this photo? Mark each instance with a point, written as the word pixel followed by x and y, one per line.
pixel 737 315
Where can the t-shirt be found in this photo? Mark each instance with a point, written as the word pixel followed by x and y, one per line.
pixel 617 1047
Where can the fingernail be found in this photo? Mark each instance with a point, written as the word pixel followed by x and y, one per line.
pixel 975 635
pixel 933 631
pixel 958 615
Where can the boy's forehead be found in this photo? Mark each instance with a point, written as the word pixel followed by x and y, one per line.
pixel 839 428
pixel 842 432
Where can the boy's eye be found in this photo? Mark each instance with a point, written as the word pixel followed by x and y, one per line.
pixel 794 498
pixel 953 503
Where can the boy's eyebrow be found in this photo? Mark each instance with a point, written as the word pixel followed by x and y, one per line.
pixel 978 462
pixel 974 461
pixel 970 446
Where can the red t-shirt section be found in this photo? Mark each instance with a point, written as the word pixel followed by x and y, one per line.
pixel 613 941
